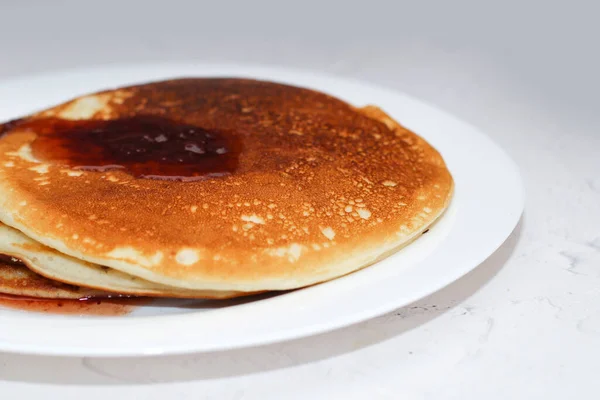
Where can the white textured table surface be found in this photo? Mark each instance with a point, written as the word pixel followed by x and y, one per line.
pixel 525 324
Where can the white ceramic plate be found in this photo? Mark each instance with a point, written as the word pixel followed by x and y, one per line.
pixel 487 205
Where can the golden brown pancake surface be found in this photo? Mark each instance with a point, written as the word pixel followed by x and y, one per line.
pixel 316 189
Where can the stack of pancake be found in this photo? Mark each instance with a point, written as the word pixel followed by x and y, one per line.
pixel 207 188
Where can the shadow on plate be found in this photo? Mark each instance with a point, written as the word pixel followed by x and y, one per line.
pixel 196 305
pixel 249 361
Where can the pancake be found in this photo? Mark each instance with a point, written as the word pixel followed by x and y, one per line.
pixel 17 280
pixel 220 184
pixel 59 272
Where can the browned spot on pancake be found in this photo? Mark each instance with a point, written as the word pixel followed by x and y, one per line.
pixel 29 246
pixel 7 126
pixel 9 261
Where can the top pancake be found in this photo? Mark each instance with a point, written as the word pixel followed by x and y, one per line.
pixel 319 188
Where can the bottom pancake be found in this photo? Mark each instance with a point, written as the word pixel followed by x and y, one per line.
pixel 60 267
pixel 17 280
